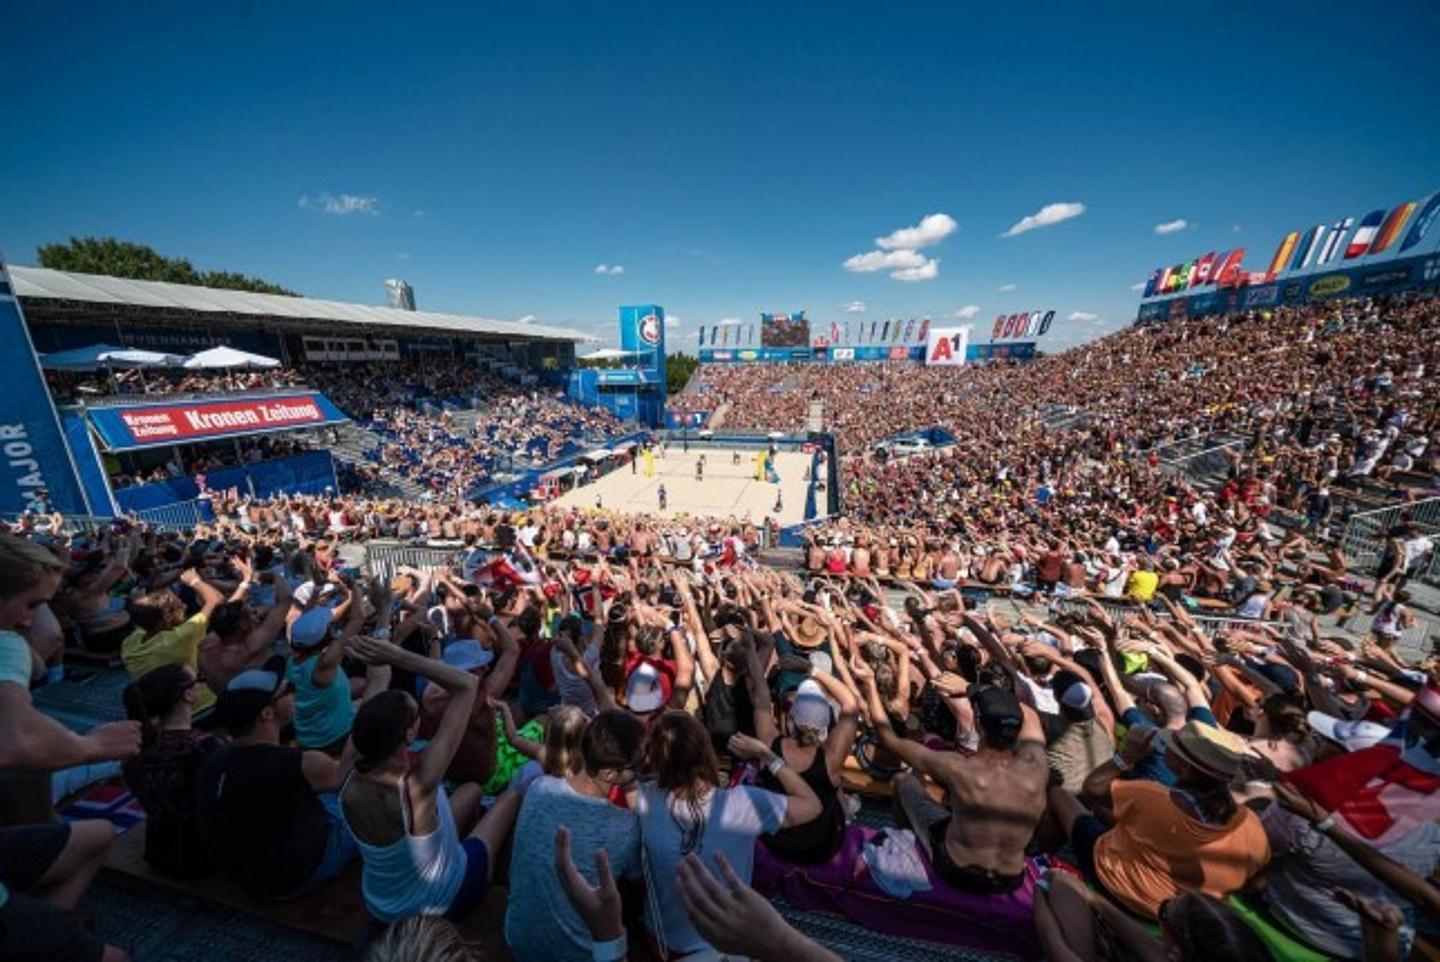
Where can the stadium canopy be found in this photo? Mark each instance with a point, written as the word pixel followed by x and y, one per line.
pixel 40 283
pixel 229 357
pixel 98 356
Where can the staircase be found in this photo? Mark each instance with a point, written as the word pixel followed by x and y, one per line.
pixel 354 442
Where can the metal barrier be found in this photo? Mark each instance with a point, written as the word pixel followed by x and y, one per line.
pixel 69 523
pixel 1363 540
pixel 1208 625
pixel 176 517
pixel 384 558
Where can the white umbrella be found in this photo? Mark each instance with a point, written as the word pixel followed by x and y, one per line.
pixel 226 357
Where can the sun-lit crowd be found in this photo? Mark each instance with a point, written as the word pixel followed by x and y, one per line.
pixel 1115 708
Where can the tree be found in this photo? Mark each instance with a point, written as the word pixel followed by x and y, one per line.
pixel 115 258
pixel 678 368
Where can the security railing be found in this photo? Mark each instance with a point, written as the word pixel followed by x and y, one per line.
pixel 1365 534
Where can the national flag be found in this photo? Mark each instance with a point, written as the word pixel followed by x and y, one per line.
pixel 1364 234
pixel 885 332
pixel 1307 247
pixel 834 333
pixel 924 330
pixel 1229 267
pixel 847 332
pixel 1421 225
pixel 503 574
pixel 1162 282
pixel 1152 284
pixel 898 328
pixel 1334 243
pixel 108 800
pixel 1391 228
pixel 909 329
pixel 1283 253
pixel 1183 278
pixel 1201 274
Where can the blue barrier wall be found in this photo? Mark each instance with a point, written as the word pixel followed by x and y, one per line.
pixel 309 473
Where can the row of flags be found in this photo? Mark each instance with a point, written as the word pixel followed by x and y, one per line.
pixel 1319 246
pixel 854 332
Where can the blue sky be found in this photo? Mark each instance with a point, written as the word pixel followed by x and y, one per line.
pixel 730 157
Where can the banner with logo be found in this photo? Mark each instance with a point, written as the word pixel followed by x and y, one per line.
pixel 36 461
pixel 147 425
pixel 945 347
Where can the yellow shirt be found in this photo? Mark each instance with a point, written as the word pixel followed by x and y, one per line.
pixel 174 646
pixel 1142 585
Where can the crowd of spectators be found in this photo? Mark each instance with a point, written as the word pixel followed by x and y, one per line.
pixel 658 728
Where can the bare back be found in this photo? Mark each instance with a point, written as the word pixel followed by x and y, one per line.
pixel 996 800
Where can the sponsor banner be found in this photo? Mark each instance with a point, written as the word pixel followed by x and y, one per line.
pixel 1010 350
pixel 1384 276
pixel 842 354
pixel 123 428
pixel 1261 296
pixel 36 461
pixel 945 346
pixel 642 330
pixel 1329 285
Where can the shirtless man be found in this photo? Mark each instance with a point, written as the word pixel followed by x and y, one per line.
pixel 860 557
pixel 237 640
pixel 948 575
pixel 997 795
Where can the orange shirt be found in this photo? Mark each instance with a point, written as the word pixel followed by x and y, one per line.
pixel 1156 851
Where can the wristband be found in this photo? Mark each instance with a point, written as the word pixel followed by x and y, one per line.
pixel 776 763
pixel 609 951
pixel 1120 762
pixel 1325 824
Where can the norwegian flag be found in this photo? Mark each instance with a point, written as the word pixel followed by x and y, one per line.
pixel 501 574
pixel 110 801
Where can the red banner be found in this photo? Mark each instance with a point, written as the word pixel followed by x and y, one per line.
pixel 212 418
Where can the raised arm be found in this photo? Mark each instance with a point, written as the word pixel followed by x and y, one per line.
pixel 462 688
pixel 803 805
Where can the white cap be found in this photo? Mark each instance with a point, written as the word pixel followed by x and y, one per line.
pixel 643 690
pixel 810 707
pixel 306 591
pixel 1354 735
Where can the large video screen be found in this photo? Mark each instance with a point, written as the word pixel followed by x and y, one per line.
pixel 784 330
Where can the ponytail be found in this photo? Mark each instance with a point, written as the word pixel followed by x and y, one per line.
pixel 154 695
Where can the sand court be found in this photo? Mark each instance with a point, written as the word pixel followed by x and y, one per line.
pixel 727 488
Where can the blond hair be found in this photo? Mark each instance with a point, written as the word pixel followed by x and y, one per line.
pixel 23 564
pixel 563 734
pixel 426 937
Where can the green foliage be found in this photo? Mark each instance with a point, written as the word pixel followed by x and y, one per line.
pixel 678 368
pixel 115 258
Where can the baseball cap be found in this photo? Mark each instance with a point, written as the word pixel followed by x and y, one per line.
pixel 247 694
pixel 1353 735
pixel 312 628
pixel 467 655
pixel 810 707
pixel 643 689
pixel 1073 694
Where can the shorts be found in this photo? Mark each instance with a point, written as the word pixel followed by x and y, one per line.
pixel 32 930
pixel 943 584
pixel 28 851
pixel 476 881
pixel 340 850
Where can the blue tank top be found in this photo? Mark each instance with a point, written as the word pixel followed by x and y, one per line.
pixel 323 714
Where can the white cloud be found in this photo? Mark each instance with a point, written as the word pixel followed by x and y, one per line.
pixel 925 272
pixel 1172 226
pixel 1007 288
pixel 969 312
pixel 729 322
pixel 932 229
pixel 884 261
pixel 855 307
pixel 673 320
pixel 419 212
pixel 340 203
pixel 402 256
pixel 611 270
pixel 1083 316
pixel 1138 287
pixel 1238 228
pixel 527 319
pixel 1045 217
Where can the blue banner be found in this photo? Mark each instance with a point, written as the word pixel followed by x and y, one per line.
pixel 36 461
pixel 309 473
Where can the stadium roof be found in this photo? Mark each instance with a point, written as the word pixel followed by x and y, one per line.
pixel 43 283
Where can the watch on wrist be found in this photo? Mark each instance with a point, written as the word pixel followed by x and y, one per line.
pixel 775 763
